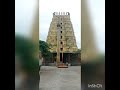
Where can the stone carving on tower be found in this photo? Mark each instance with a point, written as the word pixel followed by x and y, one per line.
pixel 67 37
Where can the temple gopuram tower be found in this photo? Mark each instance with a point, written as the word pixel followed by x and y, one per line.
pixel 61 38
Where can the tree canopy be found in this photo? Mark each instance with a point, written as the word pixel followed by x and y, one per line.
pixel 44 48
pixel 25 49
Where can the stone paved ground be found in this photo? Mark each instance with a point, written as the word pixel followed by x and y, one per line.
pixel 53 78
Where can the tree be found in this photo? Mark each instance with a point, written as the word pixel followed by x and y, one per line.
pixel 27 63
pixel 78 51
pixel 44 48
pixel 25 48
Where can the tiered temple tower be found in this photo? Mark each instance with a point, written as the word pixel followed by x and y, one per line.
pixel 61 36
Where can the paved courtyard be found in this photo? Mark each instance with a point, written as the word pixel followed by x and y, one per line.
pixel 53 78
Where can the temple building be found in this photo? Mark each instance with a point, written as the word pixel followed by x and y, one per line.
pixel 61 39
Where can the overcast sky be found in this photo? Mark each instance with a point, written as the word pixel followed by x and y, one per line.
pixel 24 15
pixel 97 13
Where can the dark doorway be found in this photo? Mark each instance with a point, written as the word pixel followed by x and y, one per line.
pixel 65 57
pixel 61 57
